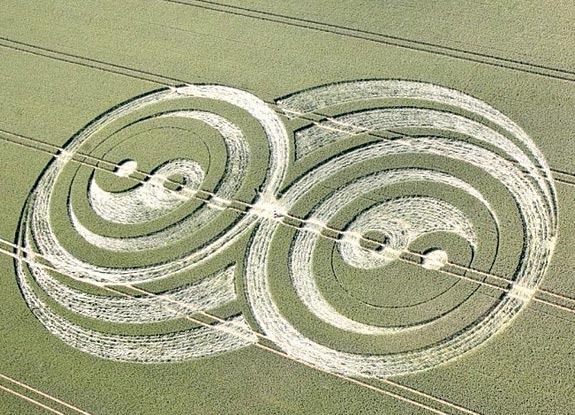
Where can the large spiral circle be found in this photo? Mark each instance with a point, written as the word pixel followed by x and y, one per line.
pixel 358 184
pixel 94 228
pixel 390 169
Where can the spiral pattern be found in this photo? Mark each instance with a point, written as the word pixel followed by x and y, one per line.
pixel 433 122
pixel 408 167
pixel 152 205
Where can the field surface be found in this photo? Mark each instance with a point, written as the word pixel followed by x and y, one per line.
pixel 257 207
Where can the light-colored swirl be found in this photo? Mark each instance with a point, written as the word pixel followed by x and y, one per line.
pixel 198 342
pixel 361 91
pixel 447 125
pixel 400 220
pixel 209 293
pixel 144 204
pixel 40 221
pixel 152 200
pixel 494 145
pixel 147 201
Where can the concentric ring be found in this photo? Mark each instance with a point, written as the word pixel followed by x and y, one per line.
pixel 493 144
pixel 46 291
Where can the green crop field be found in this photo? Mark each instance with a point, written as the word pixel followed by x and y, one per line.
pixel 258 207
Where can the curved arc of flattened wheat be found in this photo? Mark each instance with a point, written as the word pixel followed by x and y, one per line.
pixel 512 159
pixel 526 177
pixel 211 292
pixel 50 247
pixel 320 97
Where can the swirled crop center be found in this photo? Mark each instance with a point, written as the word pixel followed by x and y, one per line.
pixel 391 158
pixel 56 294
pixel 474 134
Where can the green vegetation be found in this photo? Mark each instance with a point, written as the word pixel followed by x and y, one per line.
pixel 525 369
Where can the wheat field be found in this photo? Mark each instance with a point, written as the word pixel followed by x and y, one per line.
pixel 227 207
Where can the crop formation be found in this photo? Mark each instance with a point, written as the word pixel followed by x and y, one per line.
pixel 348 202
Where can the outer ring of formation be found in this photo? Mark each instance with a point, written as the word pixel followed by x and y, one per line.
pixel 499 147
